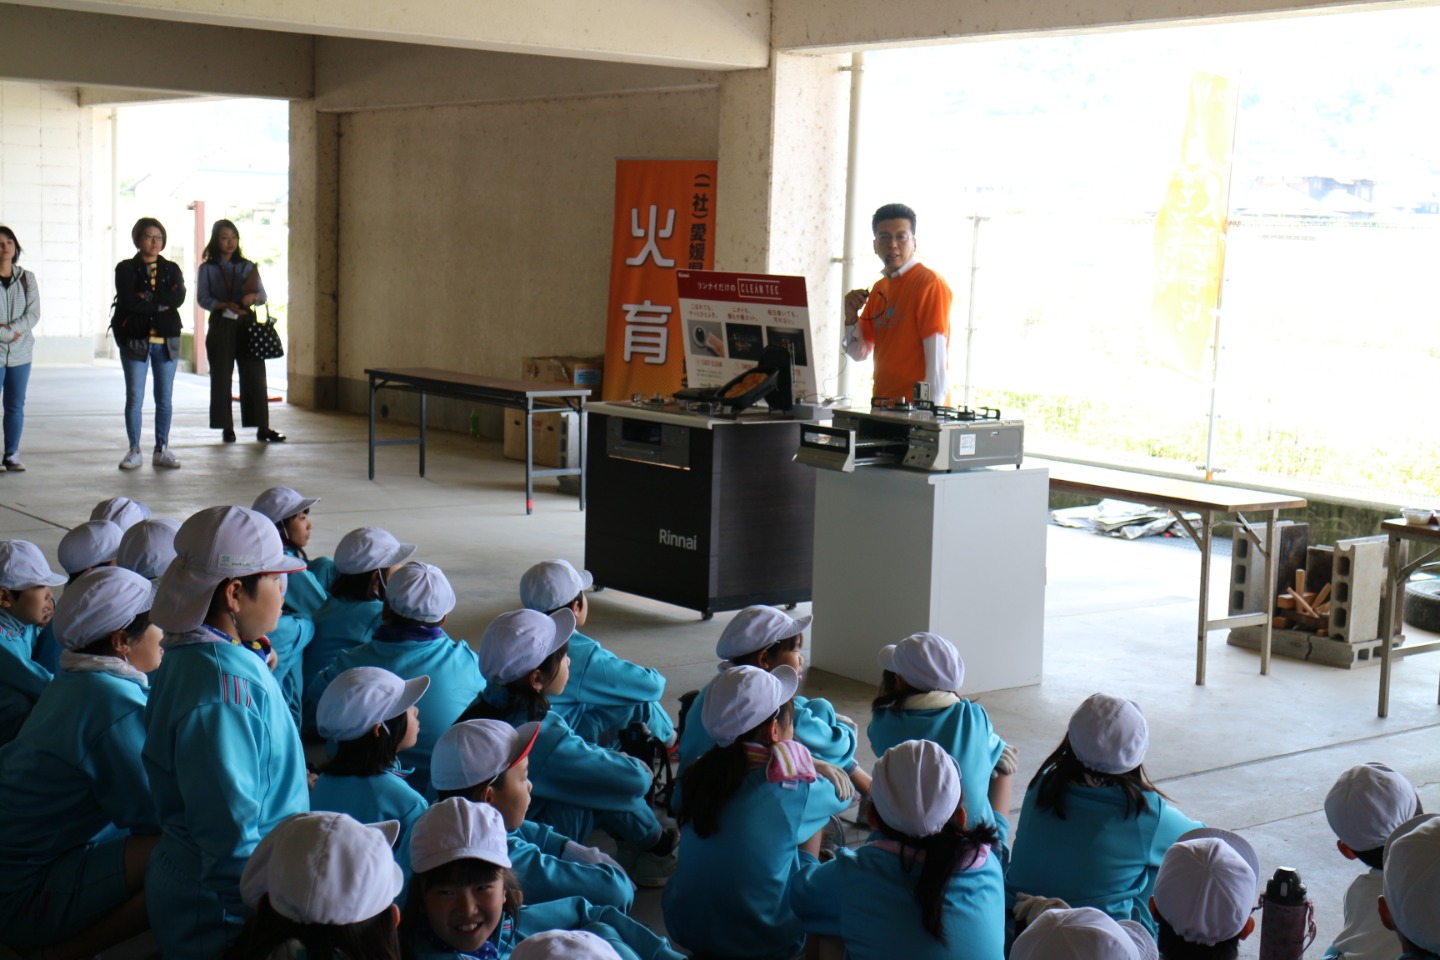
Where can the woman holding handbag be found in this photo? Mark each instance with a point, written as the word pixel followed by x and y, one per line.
pixel 19 312
pixel 230 287
pixel 148 293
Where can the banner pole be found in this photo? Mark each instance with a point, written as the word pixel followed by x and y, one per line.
pixel 846 382
pixel 1220 288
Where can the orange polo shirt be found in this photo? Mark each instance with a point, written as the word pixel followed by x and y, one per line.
pixel 901 314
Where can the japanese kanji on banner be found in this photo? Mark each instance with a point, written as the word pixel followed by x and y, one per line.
pixel 664 222
pixel 730 318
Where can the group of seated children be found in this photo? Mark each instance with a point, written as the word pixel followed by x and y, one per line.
pixel 164 784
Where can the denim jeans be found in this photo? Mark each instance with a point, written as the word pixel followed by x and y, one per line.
pixel 164 367
pixel 13 381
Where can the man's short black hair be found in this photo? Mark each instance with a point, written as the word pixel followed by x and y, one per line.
pixel 892 211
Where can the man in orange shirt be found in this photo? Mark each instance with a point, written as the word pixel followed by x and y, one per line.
pixel 905 318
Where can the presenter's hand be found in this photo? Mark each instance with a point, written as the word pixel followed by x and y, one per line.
pixel 854 300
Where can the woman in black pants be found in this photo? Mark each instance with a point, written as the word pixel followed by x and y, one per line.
pixel 229 286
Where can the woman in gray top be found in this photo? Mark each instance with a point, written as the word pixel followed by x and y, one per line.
pixel 19 312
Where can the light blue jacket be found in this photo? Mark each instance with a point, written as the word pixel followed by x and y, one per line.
pixel 606 694
pixel 47 649
pixel 22 680
pixel 339 625
pixel 1095 857
pixel 867 898
pixel 962 728
pixel 630 939
pixel 385 796
pixel 73 771
pixel 816 726
pixel 730 893
pixel 535 857
pixel 303 597
pixel 225 766
pixel 323 570
pixel 410 652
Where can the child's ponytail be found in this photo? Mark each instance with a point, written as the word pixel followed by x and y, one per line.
pixel 941 855
pixel 1059 771
pixel 707 785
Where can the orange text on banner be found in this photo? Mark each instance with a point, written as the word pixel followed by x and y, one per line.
pixel 664 221
pixel 1190 231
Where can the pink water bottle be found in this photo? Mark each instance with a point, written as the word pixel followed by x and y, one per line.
pixel 1287 925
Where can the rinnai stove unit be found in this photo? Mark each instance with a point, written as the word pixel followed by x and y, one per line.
pixel 919 436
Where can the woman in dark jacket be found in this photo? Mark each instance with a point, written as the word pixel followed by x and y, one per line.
pixel 148 292
pixel 228 285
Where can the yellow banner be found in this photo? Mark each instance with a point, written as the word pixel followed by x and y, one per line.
pixel 1190 231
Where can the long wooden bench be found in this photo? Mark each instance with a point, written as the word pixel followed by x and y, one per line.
pixel 1206 499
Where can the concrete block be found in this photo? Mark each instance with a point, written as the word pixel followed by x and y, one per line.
pixel 1247 564
pixel 1304 645
pixel 1357 585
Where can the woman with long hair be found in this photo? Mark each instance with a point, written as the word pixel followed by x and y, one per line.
pixel 19 313
pixel 229 287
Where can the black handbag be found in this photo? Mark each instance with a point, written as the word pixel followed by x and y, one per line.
pixel 259 339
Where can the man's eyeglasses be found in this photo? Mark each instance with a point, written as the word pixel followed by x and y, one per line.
pixel 901 238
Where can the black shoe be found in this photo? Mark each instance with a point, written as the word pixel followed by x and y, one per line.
pixel 270 436
pixel 228 435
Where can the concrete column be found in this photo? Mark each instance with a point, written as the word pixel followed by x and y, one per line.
pixel 781 202
pixel 313 320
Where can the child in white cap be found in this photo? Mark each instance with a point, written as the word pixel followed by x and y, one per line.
pixel 748 807
pixel 411 642
pixel 577 785
pixel 1205 892
pixel 26 606
pixel 148 547
pixel 121 511
pixel 767 637
pixel 465 902
pixel 919 699
pixel 304 594
pixel 1364 807
pixel 74 772
pixel 1083 933
pixel 1095 827
pixel 223 756
pixel 606 694
pixel 488 761
pixel 365 558
pixel 564 945
pixel 371 716
pixel 91 544
pixel 931 880
pixel 291 510
pixel 1410 905
pixel 325 883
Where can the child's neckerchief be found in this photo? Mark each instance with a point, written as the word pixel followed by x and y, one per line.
pixel 208 634
pixel 418 633
pixel 788 761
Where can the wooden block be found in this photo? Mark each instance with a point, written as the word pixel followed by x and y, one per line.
pixel 1300 581
pixel 1285 602
pixel 1279 621
pixel 1323 595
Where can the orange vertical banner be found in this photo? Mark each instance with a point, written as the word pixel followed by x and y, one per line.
pixel 664 221
pixel 1190 231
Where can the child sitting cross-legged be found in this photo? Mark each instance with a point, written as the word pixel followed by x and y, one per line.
pixel 1207 887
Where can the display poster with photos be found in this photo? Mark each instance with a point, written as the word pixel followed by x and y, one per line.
pixel 730 318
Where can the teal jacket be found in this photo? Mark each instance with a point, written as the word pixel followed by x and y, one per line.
pixel 960 726
pixel 536 852
pixel 339 625
pixel 22 680
pixel 606 694
pixel 385 796
pixel 816 726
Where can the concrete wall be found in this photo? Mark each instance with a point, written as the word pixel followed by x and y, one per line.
pixel 471 236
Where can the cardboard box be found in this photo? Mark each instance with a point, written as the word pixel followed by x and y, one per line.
pixel 572 371
pixel 556 438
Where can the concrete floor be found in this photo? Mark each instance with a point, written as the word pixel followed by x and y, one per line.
pixel 1250 753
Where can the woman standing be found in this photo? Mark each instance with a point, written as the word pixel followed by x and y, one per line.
pixel 148 291
pixel 229 286
pixel 19 312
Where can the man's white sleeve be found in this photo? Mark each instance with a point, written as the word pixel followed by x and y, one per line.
pixel 856 346
pixel 935 374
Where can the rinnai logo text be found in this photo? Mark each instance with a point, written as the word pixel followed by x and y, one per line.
pixel 676 540
pixel 752 289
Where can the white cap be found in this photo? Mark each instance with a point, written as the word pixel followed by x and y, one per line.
pixel 755 628
pixel 551 584
pixel 1083 933
pixel 1109 734
pixel 564 945
pixel 457 829
pixel 1367 803
pixel 361 697
pixel 519 641
pixel 148 547
pixel 478 751
pixel 282 503
pixel 1209 881
pixel 324 868
pixel 1412 880
pixel 212 546
pixel 23 566
pixel 916 789
pixel 121 511
pixel 370 548
pixel 420 591
pixel 741 698
pixel 88 545
pixel 98 603
pixel 926 661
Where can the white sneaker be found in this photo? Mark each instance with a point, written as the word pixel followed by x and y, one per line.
pixel 164 458
pixel 132 460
